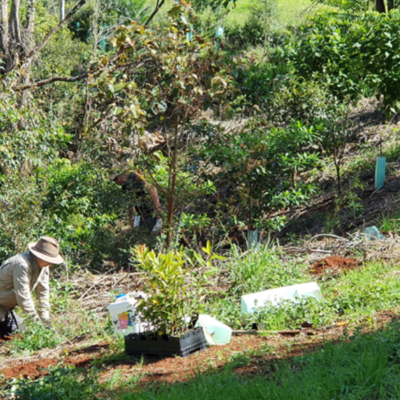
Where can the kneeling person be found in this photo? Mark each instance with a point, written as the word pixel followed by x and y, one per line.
pixel 23 274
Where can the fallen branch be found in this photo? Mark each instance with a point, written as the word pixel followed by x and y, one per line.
pixel 93 286
pixel 53 79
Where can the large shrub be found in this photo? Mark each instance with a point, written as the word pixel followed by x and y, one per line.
pixel 83 208
pixel 262 167
pixel 283 95
pixel 29 140
pixel 348 54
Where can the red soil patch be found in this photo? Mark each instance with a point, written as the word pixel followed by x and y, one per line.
pixel 80 358
pixel 31 370
pixel 334 264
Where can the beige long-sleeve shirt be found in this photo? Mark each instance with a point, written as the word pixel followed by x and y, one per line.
pixel 18 277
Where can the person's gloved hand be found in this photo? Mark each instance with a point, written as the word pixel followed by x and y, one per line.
pixel 47 323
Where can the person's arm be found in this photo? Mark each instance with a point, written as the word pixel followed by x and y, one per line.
pixel 42 293
pixel 21 281
pixel 152 191
pixel 153 194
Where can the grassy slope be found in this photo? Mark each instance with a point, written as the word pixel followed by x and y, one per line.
pixel 288 10
pixel 362 367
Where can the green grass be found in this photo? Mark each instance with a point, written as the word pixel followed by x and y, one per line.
pixel 366 367
pixel 390 223
pixel 355 296
pixel 288 11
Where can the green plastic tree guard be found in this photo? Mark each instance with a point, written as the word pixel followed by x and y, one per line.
pixel 373 233
pixel 189 35
pixel 219 33
pixel 252 239
pixel 380 172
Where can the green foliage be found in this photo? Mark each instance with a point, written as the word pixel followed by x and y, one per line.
pixel 127 11
pixel 29 140
pixel 261 164
pixel 83 207
pixel 174 291
pixel 195 224
pixel 22 218
pixel 36 337
pixel 28 137
pixel 354 6
pixel 81 24
pixel 62 56
pixel 77 204
pixel 347 53
pixel 256 28
pixel 62 383
pixel 199 4
pixel 281 94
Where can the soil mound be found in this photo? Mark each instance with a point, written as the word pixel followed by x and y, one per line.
pixel 334 264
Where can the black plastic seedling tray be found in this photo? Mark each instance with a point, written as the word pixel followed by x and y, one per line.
pixel 138 344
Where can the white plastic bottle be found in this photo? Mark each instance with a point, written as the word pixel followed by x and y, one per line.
pixel 123 314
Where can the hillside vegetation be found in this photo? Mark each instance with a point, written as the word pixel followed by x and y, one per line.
pixel 250 157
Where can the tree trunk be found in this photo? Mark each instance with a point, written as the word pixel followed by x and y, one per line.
pixel 172 186
pixel 4 26
pixel 29 44
pixel 30 22
pixel 62 9
pixel 337 161
pixel 14 37
pixel 380 6
pixel 390 4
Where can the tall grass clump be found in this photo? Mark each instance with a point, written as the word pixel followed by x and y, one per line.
pixel 262 269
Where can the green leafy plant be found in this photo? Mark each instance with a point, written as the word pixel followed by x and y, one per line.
pixel 342 52
pixel 36 337
pixel 175 293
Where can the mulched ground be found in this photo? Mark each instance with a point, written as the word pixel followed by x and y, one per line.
pixel 334 265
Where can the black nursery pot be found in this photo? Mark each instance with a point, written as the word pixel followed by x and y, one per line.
pixel 138 344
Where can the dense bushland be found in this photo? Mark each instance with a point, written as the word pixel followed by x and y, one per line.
pixel 135 99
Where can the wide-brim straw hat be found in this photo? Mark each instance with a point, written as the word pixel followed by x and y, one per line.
pixel 47 249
